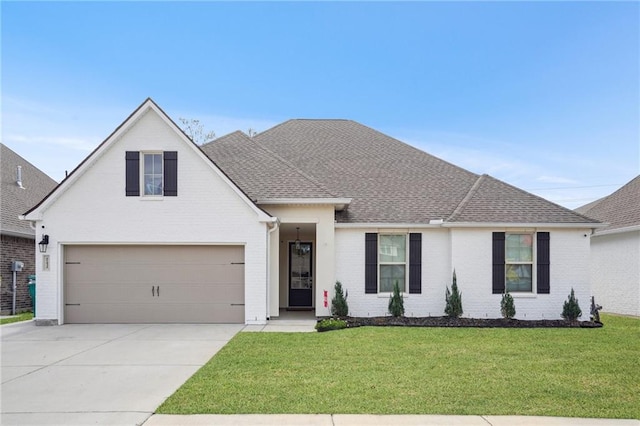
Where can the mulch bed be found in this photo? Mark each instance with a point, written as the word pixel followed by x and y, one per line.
pixel 466 322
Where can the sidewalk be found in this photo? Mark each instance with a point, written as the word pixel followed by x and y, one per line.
pixel 374 420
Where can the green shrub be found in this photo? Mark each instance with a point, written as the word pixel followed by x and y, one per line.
pixel 339 307
pixel 507 307
pixel 571 309
pixel 396 304
pixel 453 299
pixel 331 324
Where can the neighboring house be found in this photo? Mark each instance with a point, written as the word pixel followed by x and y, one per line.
pixel 23 186
pixel 615 250
pixel 152 228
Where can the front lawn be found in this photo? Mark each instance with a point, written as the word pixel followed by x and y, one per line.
pixel 387 370
pixel 25 316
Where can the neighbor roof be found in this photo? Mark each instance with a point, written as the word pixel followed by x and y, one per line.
pixel 15 200
pixel 388 180
pixel 620 210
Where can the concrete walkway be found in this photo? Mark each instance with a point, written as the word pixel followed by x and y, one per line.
pixel 376 420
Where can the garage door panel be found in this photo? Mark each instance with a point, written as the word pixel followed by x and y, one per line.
pixel 154 284
pixel 107 293
pixel 225 293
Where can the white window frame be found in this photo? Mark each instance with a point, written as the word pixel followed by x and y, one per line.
pixel 533 263
pixel 403 288
pixel 142 174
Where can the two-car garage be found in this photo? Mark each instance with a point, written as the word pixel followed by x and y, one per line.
pixel 153 284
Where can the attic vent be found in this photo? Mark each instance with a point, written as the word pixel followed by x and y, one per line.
pixel 19 176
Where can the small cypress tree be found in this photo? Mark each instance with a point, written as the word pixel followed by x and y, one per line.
pixel 339 307
pixel 453 298
pixel 507 307
pixel 571 309
pixel 396 304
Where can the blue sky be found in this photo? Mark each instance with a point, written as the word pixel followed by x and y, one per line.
pixel 543 95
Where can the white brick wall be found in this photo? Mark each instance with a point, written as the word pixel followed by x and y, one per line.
pixel 615 272
pixel 206 211
pixel 469 252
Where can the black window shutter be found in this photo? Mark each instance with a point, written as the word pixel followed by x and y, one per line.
pixel 498 262
pixel 543 262
pixel 370 262
pixel 132 161
pixel 170 173
pixel 415 263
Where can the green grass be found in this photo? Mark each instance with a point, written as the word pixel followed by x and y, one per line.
pixel 548 372
pixel 25 316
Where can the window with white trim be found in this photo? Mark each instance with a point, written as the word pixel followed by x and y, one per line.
pixel 392 261
pixel 152 174
pixel 519 262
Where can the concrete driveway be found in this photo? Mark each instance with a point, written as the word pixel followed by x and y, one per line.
pixel 99 374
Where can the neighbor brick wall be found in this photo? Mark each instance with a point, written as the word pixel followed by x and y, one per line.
pixel 22 249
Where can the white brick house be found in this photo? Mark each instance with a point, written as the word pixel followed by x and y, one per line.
pixel 615 250
pixel 152 228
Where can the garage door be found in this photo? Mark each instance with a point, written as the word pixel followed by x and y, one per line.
pixel 154 284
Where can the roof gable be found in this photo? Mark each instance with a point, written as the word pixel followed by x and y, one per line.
pixel 148 106
pixel 15 200
pixel 620 209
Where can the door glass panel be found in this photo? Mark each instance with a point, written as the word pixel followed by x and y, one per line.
pixel 301 267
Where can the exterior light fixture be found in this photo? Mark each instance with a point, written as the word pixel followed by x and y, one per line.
pixel 298 240
pixel 44 243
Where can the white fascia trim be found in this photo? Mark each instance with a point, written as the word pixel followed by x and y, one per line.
pixel 617 231
pixel 387 225
pixel 339 203
pixel 522 225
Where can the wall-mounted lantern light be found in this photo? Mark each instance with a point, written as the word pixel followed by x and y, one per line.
pixel 43 244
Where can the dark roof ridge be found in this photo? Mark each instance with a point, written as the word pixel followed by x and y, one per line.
pixel 467 198
pixel 263 148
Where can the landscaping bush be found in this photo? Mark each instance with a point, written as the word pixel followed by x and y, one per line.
pixel 507 307
pixel 453 298
pixel 396 304
pixel 339 307
pixel 571 309
pixel 331 324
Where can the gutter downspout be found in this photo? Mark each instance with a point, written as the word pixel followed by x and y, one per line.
pixel 276 224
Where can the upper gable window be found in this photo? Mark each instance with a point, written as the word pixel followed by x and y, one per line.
pixel 157 175
pixel 152 181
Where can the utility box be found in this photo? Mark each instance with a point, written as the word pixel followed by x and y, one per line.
pixel 16 266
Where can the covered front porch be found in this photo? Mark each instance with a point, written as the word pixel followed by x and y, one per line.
pixel 301 259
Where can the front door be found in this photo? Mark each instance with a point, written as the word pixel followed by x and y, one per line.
pixel 300 275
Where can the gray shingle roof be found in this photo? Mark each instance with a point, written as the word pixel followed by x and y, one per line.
pixel 259 172
pixel 491 200
pixel 389 181
pixel 392 182
pixel 14 201
pixel 621 209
